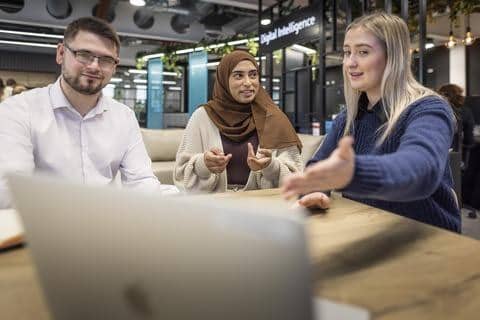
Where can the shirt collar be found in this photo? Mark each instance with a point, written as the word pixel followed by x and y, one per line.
pixel 59 100
pixel 377 109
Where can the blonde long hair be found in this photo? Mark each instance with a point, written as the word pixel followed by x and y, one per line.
pixel 399 88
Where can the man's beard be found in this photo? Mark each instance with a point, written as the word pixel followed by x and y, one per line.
pixel 74 82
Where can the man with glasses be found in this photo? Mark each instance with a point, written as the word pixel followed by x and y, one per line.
pixel 69 128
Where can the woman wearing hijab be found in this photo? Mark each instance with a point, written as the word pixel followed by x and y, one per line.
pixel 238 140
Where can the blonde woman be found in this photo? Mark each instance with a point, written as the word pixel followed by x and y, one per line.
pixel 389 149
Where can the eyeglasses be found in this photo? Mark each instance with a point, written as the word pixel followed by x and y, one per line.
pixel 86 57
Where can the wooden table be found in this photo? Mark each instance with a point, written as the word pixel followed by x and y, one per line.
pixel 395 267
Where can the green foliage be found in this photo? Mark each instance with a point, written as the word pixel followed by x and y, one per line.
pixel 277 56
pixel 455 8
pixel 170 58
pixel 170 62
pixel 253 47
pixel 222 51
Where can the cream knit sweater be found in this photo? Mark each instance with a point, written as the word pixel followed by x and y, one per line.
pixel 191 174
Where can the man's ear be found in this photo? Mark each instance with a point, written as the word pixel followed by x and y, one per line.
pixel 60 53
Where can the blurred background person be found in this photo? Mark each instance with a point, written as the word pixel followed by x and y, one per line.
pixel 464 142
pixel 2 90
pixel 19 88
pixel 463 138
pixel 11 83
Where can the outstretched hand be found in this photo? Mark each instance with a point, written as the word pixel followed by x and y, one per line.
pixel 262 161
pixel 215 160
pixel 314 200
pixel 335 172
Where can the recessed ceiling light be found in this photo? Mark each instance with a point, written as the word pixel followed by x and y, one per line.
pixel 29 44
pixel 265 21
pixel 138 3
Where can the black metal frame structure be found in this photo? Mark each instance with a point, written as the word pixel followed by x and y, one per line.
pixel 318 107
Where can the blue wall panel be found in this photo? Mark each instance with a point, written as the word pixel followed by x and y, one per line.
pixel 197 80
pixel 155 94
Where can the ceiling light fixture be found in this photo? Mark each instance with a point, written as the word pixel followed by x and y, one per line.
pixel 169 73
pixel 429 45
pixel 184 51
pixel 29 44
pixel 137 71
pixel 137 3
pixel 451 39
pixel 469 38
pixel 303 49
pixel 32 34
pixel 213 46
pixel 152 56
pixel 165 73
pixel 265 21
pixel 213 64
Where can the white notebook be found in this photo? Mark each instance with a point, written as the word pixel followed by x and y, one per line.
pixel 11 229
pixel 326 309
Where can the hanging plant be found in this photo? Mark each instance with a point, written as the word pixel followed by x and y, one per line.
pixel 140 63
pixel 252 47
pixel 170 58
pixel 454 7
pixel 170 62
pixel 277 56
pixel 223 51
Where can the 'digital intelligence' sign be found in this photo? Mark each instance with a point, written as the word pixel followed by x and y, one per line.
pixel 299 27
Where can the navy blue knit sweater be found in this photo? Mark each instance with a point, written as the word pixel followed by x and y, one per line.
pixel 408 174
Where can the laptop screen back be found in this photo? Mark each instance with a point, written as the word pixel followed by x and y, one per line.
pixel 105 253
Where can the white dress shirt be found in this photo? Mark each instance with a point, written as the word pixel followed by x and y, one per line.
pixel 41 131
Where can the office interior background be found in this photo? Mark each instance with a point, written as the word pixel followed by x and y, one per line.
pixel 302 73
pixel 170 50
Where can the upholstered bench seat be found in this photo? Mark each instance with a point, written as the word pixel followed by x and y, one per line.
pixel 164 171
pixel 162 146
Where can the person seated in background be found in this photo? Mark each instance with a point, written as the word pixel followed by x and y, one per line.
pixel 389 148
pixel 69 128
pixel 11 83
pixel 19 88
pixel 238 140
pixel 464 141
pixel 2 90
pixel 464 116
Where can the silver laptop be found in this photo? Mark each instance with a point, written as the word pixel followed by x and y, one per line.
pixel 105 253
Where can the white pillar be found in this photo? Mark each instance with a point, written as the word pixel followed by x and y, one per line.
pixel 458 66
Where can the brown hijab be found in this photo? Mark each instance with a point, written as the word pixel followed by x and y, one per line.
pixel 237 121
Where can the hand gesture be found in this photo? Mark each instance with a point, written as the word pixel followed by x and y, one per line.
pixel 262 161
pixel 335 172
pixel 314 200
pixel 215 160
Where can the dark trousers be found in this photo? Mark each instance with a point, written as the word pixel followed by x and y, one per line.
pixel 471 179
